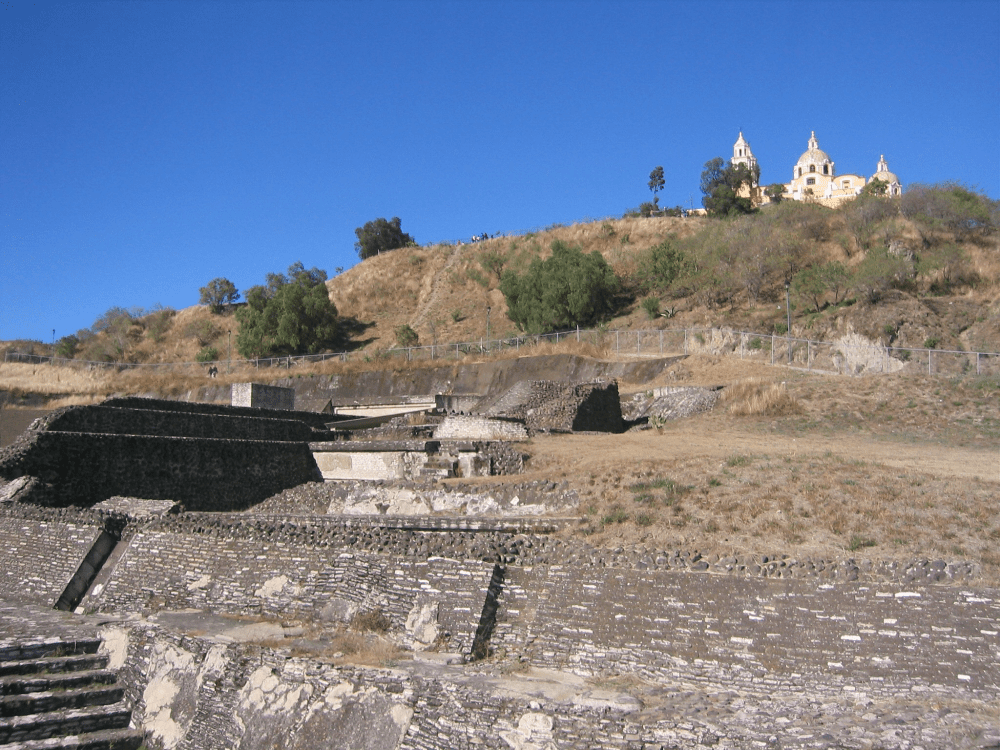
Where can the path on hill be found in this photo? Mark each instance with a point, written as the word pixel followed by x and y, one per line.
pixel 439 278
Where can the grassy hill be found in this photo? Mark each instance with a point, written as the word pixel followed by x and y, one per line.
pixel 944 293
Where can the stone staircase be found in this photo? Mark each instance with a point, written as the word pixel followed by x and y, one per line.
pixel 438 467
pixel 58 693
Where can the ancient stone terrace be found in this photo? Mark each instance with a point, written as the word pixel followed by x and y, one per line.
pixel 691 649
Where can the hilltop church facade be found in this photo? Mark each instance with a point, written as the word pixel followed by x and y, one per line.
pixel 814 178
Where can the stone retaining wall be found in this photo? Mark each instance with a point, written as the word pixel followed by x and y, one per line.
pixel 316 421
pixel 551 406
pixel 193 694
pixel 753 635
pixel 202 474
pixel 478 428
pixel 40 555
pixel 130 421
pixel 305 573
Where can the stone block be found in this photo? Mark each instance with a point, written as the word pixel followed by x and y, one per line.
pixel 263 396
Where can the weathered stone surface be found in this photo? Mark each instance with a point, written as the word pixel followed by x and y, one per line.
pixel 563 407
pixel 83 455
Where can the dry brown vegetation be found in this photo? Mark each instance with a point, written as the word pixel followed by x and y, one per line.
pixel 443 291
pixel 892 466
pixel 881 467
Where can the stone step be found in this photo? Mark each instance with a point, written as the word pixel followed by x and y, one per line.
pixel 35 683
pixel 49 648
pixel 66 723
pixel 112 739
pixel 54 664
pixel 59 700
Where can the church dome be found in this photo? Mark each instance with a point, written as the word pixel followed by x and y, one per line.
pixel 882 173
pixel 814 154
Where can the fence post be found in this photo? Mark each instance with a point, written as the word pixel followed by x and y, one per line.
pixel 618 349
pixel 977 363
pixel 772 350
pixel 685 340
pixel 661 342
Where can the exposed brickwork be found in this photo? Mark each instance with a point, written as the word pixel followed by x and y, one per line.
pixel 758 636
pixel 201 474
pixel 562 407
pixel 40 556
pixel 128 421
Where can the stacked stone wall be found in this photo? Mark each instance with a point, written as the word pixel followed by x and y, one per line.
pixel 754 635
pixel 202 474
pixel 316 421
pixel 41 552
pixel 294 573
pixel 129 421
pixel 550 406
pixel 266 396
pixel 478 428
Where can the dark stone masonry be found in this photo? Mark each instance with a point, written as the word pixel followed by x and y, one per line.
pixel 198 547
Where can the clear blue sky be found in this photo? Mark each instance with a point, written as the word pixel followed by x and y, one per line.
pixel 147 147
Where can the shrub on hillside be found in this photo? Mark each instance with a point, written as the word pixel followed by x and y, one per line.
pixel 949 207
pixel 158 322
pixel 202 331
pixel 406 336
pixel 565 290
pixel 869 219
pixel 207 354
pixel 879 272
pixel 66 346
pixel 652 307
pixel 120 332
pixel 812 284
pixel 292 314
pixel 660 266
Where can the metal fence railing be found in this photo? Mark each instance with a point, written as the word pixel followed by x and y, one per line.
pixel 851 355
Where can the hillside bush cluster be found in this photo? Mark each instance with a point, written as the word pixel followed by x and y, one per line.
pixel 565 290
pixel 289 315
pixel 752 256
pixel 920 242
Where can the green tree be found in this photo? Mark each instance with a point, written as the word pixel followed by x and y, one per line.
pixel 723 187
pixel 656 183
pixel 292 314
pixel 217 294
pixel 406 336
pixel 379 236
pixel 775 192
pixel 66 346
pixel 879 272
pixel 660 267
pixel 812 284
pixel 565 290
pixel 876 188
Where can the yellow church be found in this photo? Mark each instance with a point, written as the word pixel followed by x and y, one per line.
pixel 814 177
